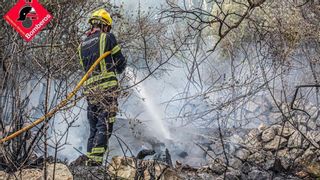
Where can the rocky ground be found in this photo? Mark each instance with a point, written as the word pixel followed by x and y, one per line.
pixel 268 152
pixel 281 152
pixel 61 172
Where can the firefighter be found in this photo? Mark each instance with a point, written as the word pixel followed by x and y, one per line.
pixel 102 87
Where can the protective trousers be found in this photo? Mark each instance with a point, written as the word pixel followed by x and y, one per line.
pixel 100 129
pixel 102 109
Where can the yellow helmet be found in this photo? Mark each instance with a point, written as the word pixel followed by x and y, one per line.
pixel 100 16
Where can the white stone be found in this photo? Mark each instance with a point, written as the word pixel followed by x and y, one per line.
pixel 242 154
pixel 61 172
pixel 295 140
pixel 277 143
pixel 268 135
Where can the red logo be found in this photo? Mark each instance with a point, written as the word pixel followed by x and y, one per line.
pixel 28 17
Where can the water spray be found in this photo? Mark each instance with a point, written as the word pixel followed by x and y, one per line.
pixel 149 104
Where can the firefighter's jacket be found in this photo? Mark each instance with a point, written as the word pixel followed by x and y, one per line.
pixel 104 76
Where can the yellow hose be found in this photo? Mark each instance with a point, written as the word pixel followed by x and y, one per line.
pixel 61 104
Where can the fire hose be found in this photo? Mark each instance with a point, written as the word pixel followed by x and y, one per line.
pixel 61 104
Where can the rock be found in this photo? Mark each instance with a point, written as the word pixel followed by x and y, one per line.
pixel 252 141
pixel 246 168
pixel 269 160
pixel 254 133
pixel 160 172
pixel 256 2
pixel 268 164
pixel 299 118
pixel 87 172
pixel 309 155
pixel 203 169
pixel 230 176
pixel 256 174
pixel 294 153
pixel 218 167
pixel 257 158
pixel 279 178
pixel 268 135
pixel 242 154
pixel 277 143
pixel 283 153
pixel 235 140
pixel 80 161
pixel 4 175
pixel 284 157
pixel 122 167
pixel 313 111
pixel 62 172
pixel 219 177
pixel 262 127
pixel 306 143
pixel 291 177
pixel 285 177
pixel 277 166
pixel 295 140
pixel 277 128
pixel 314 137
pixel 301 174
pixel 254 145
pixel 235 163
pixel 314 169
pixel 125 168
pixel 29 174
pixel 303 129
pixel 312 125
pixel 233 174
pixel 287 132
pixel 205 176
